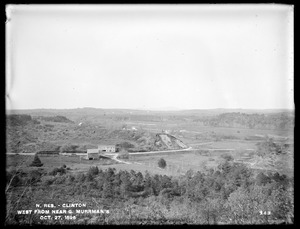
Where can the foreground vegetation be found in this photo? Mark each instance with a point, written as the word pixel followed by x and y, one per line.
pixel 230 194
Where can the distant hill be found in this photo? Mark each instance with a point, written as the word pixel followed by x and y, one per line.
pixel 98 115
pixel 15 119
pixel 244 118
pixel 57 118
pixel 89 110
pixel 282 121
pixel 30 134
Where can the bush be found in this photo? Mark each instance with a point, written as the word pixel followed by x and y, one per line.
pixel 123 155
pixel 34 176
pixel 56 171
pixel 15 179
pixel 47 180
pixel 36 161
pixel 59 180
pixel 36 121
pixel 80 177
pixel 124 145
pixel 70 179
pixel 68 147
pixel 162 163
pixel 227 157
pixel 262 179
pixel 93 171
pixel 84 147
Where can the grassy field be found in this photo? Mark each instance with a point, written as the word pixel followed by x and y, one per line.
pixel 227 144
pixel 191 133
pixel 179 163
pixel 51 162
pixel 202 158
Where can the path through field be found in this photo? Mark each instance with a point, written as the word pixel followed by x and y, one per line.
pixel 114 157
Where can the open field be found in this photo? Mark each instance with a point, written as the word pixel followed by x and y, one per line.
pixel 191 133
pixel 55 161
pixel 76 165
pixel 227 144
pixel 178 162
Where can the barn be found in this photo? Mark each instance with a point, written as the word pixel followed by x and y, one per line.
pixel 93 154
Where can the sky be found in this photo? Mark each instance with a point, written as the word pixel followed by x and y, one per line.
pixel 150 56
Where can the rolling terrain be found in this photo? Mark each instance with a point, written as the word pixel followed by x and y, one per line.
pixel 30 131
pixel 214 165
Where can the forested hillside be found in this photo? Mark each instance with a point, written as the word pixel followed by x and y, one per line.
pixel 282 121
pixel 31 134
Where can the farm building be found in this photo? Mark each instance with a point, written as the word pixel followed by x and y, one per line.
pixel 93 154
pixel 107 148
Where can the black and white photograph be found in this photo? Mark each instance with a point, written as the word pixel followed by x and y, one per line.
pixel 149 114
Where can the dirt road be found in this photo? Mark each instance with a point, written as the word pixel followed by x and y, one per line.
pixel 114 157
pixel 162 151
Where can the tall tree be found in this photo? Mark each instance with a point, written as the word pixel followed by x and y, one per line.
pixel 162 163
pixel 36 161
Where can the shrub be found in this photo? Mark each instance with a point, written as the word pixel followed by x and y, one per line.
pixel 34 176
pixel 123 155
pixel 70 179
pixel 47 180
pixel 68 147
pixel 80 177
pixel 227 157
pixel 59 180
pixel 93 170
pixel 13 179
pixel 262 179
pixel 162 163
pixel 124 145
pixel 56 171
pixel 84 147
pixel 36 161
pixel 36 121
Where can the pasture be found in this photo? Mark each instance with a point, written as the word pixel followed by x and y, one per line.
pixel 191 133
pixel 179 163
pixel 54 161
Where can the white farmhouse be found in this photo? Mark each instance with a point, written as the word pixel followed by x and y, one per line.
pixel 106 148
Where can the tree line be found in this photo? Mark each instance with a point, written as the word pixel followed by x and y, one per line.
pixel 253 121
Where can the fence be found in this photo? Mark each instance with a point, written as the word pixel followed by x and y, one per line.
pixel 48 152
pixel 57 152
